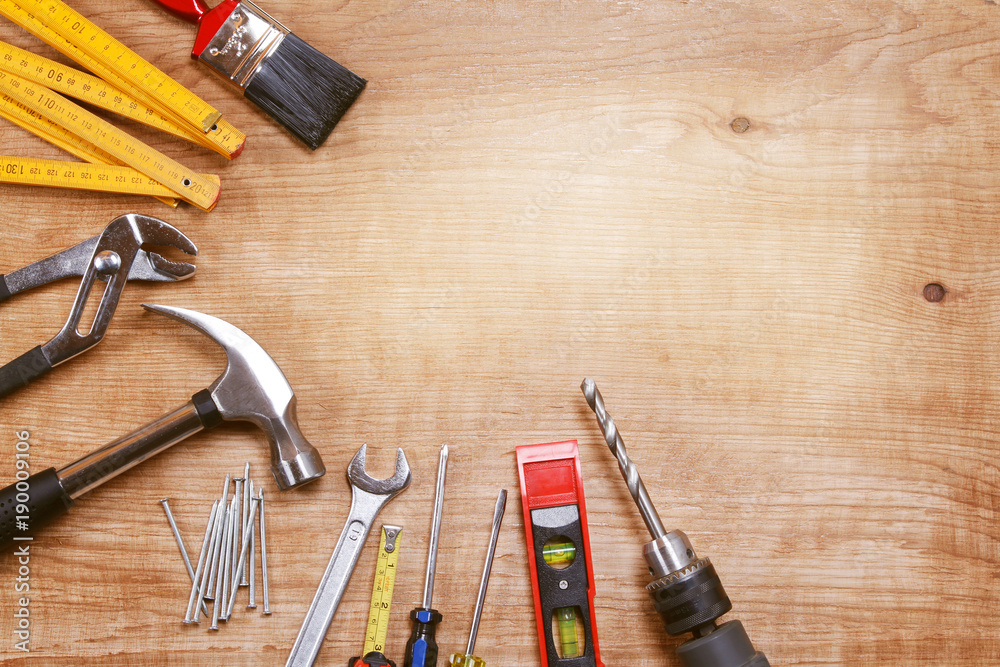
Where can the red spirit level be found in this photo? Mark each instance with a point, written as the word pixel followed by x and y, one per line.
pixel 562 577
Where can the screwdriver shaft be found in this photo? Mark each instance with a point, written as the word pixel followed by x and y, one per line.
pixel 625 465
pixel 435 528
pixel 484 582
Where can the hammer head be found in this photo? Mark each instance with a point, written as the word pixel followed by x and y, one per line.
pixel 254 389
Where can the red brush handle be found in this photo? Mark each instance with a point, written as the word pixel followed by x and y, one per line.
pixel 186 10
pixel 207 19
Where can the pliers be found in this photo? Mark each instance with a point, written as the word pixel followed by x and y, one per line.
pixel 113 257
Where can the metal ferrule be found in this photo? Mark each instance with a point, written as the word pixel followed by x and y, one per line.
pixel 243 43
pixel 669 553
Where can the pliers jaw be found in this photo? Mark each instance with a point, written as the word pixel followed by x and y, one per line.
pixel 147 266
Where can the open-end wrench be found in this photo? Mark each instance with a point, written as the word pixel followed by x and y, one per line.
pixel 112 258
pixel 368 497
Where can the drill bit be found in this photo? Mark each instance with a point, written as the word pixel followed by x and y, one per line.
pixel 625 465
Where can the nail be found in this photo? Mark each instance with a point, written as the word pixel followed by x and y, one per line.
pixel 246 511
pixel 219 603
pixel 225 574
pixel 238 529
pixel 243 549
pixel 199 572
pixel 214 570
pixel 250 561
pixel 263 554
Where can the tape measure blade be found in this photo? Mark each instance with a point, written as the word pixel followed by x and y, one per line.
pixel 100 45
pixel 187 184
pixel 382 589
pixel 228 142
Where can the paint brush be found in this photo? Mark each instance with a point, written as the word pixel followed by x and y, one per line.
pixel 304 90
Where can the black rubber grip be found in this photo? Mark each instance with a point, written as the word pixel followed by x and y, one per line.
pixel 4 290
pixel 29 366
pixel 29 504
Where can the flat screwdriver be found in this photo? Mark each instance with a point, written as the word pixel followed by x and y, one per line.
pixel 686 591
pixel 422 649
pixel 467 659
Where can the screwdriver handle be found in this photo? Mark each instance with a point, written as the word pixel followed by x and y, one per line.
pixel 422 649
pixel 463 660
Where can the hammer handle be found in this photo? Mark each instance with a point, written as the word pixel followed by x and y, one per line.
pixel 130 450
pixel 29 504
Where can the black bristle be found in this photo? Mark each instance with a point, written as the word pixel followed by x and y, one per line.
pixel 304 90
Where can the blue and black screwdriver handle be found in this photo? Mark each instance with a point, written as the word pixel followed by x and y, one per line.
pixel 686 591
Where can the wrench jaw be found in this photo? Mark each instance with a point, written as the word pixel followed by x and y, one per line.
pixel 390 487
pixel 155 267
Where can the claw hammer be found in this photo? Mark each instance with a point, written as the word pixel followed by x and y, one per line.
pixel 252 388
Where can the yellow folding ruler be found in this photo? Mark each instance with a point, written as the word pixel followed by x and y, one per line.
pixel 181 181
pixel 61 137
pixel 81 176
pixel 224 139
pixel 116 57
pixel 385 582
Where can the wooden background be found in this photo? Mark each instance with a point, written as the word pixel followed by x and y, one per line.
pixel 532 192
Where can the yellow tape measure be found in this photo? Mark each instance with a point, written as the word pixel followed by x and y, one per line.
pixel 183 182
pixel 385 582
pixel 225 139
pixel 124 62
pixel 80 176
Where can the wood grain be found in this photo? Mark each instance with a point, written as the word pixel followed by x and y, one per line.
pixel 528 193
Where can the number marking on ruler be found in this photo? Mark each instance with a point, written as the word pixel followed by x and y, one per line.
pixel 91 89
pixel 187 184
pixel 385 582
pixel 125 63
pixel 79 176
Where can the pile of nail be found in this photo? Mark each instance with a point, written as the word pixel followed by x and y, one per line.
pixel 226 562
